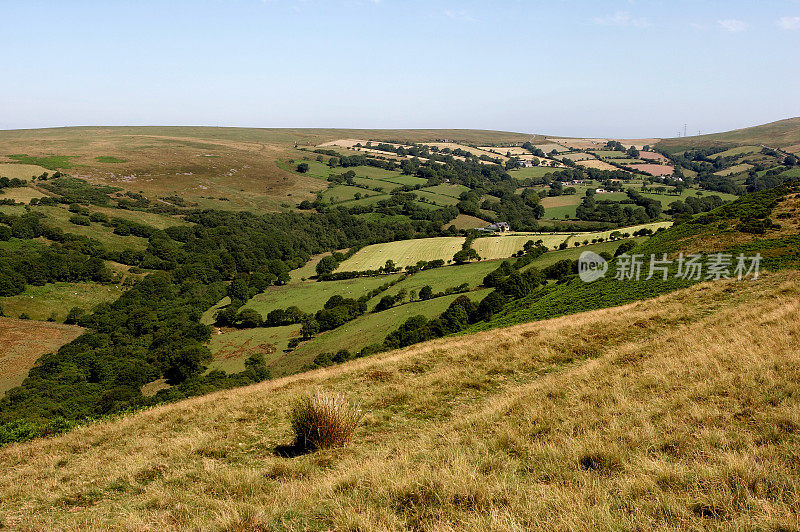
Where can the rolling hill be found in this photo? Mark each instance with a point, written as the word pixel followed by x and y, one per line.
pixel 675 413
pixel 780 134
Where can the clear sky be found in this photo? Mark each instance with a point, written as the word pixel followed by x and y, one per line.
pixel 563 67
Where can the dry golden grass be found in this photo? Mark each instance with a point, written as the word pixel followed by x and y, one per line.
pixel 676 413
pixel 203 164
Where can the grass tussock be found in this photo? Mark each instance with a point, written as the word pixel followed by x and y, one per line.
pixel 322 420
pixel 678 413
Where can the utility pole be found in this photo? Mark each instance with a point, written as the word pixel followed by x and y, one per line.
pixel 684 130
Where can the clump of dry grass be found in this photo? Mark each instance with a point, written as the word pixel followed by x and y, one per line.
pixel 322 420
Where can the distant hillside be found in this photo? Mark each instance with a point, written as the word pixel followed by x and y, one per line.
pixel 765 222
pixel 676 413
pixel 226 168
pixel 780 134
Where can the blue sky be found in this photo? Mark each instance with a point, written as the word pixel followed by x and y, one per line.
pixel 562 67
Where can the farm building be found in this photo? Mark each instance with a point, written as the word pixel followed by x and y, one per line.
pixel 500 227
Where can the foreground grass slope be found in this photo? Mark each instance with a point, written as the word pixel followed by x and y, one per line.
pixel 674 413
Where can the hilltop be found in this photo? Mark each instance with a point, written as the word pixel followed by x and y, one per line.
pixel 780 134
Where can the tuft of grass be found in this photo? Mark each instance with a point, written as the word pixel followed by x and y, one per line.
pixel 323 420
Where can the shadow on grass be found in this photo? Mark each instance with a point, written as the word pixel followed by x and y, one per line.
pixel 291 451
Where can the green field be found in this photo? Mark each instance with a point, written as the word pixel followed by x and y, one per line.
pixel 310 296
pixel 385 186
pixel 573 253
pixel 437 199
pixel 439 279
pixel 736 151
pixel 340 193
pixel 365 330
pixel 59 217
pixel 51 162
pixel 532 171
pixel 403 253
pixel 445 189
pixel 56 299
pixel 733 170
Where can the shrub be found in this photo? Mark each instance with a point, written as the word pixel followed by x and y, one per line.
pixel 323 420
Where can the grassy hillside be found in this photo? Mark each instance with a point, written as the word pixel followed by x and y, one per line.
pixel 775 134
pixel 220 168
pixel 717 231
pixel 676 413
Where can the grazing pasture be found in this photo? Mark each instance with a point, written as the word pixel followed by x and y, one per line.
pixel 232 347
pixel 54 300
pixel 733 170
pixel 465 221
pixel 437 199
pixel 24 341
pixel 532 171
pixel 310 296
pixel 739 150
pixel 440 279
pixel 365 330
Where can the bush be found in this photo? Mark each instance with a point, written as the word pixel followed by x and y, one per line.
pixel 323 420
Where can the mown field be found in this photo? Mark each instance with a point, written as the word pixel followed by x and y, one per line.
pixel 403 253
pixel 54 300
pixel 593 421
pixel 408 252
pixel 24 341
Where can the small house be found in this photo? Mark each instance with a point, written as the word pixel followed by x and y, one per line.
pixel 500 227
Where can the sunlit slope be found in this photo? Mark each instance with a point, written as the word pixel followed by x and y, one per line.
pixel 676 413
pixel 780 134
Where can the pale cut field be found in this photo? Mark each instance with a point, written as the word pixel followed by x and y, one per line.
pixel 22 171
pixel 638 143
pixel 600 165
pixel 654 169
pixel 547 148
pixel 676 413
pixel 580 156
pixel 504 246
pixel 24 341
pixel 465 221
pixel 470 149
pixel 652 156
pixel 501 150
pixel 403 253
pixel 580 144
pixel 794 149
pixel 21 194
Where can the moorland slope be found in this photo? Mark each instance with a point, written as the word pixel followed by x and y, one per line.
pixel 679 412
